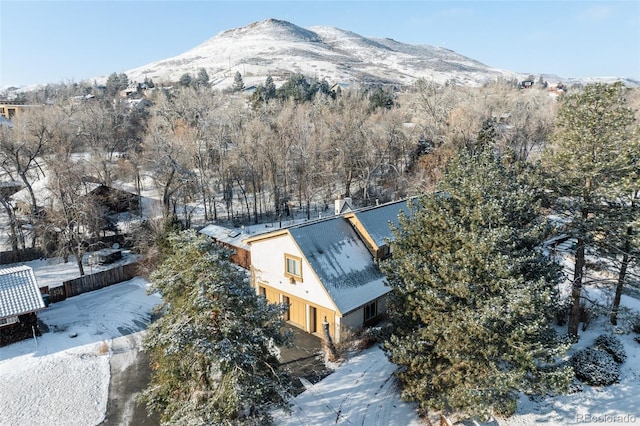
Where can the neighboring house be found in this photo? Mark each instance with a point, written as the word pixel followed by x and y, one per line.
pixel 327 269
pixel 9 109
pixel 527 84
pixel 115 200
pixel 20 299
pixel 138 104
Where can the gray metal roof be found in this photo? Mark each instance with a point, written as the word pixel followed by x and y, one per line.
pixel 19 292
pixel 342 262
pixel 376 219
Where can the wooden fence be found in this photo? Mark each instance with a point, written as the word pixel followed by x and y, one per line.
pixel 24 255
pixel 93 282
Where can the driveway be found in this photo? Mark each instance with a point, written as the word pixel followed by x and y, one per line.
pixel 129 367
pixel 304 359
pixel 130 372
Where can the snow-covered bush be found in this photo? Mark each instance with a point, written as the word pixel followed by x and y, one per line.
pixel 613 345
pixel 595 367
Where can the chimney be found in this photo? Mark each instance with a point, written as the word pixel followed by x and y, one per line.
pixel 343 205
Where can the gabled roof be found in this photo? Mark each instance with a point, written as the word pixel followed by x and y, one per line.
pixel 19 292
pixel 375 220
pixel 341 261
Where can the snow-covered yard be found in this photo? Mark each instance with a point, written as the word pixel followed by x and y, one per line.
pixel 361 391
pixel 64 380
pixel 616 404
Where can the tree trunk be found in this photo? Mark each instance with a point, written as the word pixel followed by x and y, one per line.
pixel 79 263
pixel 576 289
pixel 13 234
pixel 621 277
pixel 166 195
pixel 34 207
pixel 347 184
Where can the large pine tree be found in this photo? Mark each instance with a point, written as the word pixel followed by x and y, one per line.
pixel 473 295
pixel 592 168
pixel 213 350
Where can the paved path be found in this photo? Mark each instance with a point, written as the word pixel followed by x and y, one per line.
pixel 129 376
pixel 304 359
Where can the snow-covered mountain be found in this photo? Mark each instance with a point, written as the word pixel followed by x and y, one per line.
pixel 279 48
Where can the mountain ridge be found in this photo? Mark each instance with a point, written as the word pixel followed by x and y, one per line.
pixel 278 48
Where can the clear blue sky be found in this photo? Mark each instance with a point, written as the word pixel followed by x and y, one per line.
pixel 56 41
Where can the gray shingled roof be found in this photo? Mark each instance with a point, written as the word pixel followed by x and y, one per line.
pixel 19 292
pixel 342 262
pixel 376 219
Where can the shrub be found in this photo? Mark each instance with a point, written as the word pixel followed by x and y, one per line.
pixel 595 367
pixel 613 346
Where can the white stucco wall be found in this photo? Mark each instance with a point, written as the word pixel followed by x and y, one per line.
pixel 267 258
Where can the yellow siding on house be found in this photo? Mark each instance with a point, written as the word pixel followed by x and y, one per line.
pixel 301 311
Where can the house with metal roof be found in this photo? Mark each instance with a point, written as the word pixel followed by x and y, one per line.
pixel 327 269
pixel 20 299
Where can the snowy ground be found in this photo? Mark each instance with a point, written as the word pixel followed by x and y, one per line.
pixel 594 405
pixel 64 380
pixel 361 391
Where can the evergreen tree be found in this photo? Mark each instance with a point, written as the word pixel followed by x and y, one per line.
pixel 380 98
pixel 296 87
pixel 213 350
pixel 238 84
pixel 186 80
pixel 112 85
pixel 594 155
pixel 149 83
pixel 124 80
pixel 487 134
pixel 203 78
pixel 269 88
pixel 473 295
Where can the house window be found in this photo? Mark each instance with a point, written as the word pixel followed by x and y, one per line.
pixel 8 320
pixel 370 310
pixel 293 267
pixel 262 291
pixel 12 112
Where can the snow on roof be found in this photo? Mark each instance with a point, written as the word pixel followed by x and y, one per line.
pixel 342 262
pixel 376 219
pixel 231 236
pixel 236 236
pixel 19 292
